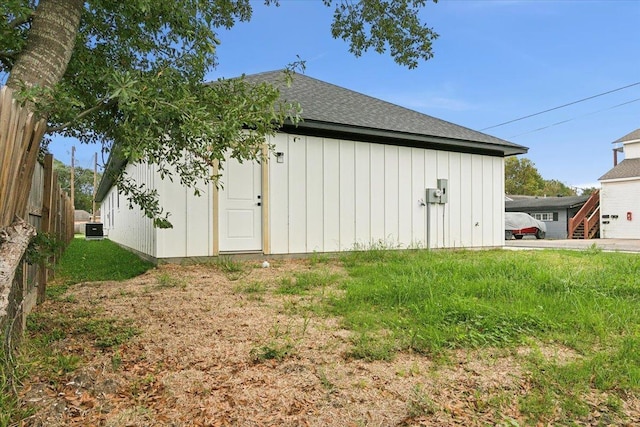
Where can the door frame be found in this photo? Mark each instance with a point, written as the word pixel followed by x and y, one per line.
pixel 266 243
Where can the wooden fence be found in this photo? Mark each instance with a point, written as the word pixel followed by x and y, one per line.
pixel 29 190
pixel 20 136
pixel 51 212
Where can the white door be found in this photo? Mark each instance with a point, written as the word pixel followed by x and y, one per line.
pixel 240 207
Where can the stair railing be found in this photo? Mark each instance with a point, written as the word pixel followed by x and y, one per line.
pixel 585 215
pixel 592 224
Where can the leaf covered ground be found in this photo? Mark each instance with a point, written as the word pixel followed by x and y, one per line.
pixel 209 345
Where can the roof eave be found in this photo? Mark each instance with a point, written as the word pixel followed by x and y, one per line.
pixel 116 162
pixel 114 168
pixel 401 138
pixel 604 180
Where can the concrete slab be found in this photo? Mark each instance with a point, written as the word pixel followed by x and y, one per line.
pixel 613 245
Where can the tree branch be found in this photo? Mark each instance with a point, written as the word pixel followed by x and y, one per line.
pixel 103 103
pixel 8 55
pixel 7 59
pixel 22 20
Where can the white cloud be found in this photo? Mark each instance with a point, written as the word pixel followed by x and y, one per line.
pixel 587 185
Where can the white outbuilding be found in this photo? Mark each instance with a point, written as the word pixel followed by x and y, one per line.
pixel 357 172
pixel 620 193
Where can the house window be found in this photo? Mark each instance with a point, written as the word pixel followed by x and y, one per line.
pixel 545 216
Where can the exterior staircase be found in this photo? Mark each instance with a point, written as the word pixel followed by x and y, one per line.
pixel 585 224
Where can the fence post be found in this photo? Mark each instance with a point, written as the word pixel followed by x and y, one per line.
pixel 46 221
pixel 72 225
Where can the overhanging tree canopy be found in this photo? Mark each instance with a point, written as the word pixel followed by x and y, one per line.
pixel 128 74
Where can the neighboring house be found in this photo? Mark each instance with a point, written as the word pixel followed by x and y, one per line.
pixel 353 174
pixel 555 212
pixel 81 217
pixel 620 193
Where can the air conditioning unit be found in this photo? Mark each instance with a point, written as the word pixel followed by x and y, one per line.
pixel 94 231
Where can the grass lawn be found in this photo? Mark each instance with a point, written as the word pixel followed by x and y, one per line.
pixel 95 260
pixel 431 304
pixel 588 302
pixel 83 260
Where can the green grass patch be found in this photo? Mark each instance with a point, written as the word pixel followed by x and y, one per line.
pixel 319 258
pixel 254 290
pixel 302 283
pixel 254 287
pixel 95 260
pixel 369 347
pixel 438 300
pixel 272 351
pixel 420 403
pixel 232 268
pixel 166 280
pixel 280 345
pixel 429 302
pixel 11 374
pixel 46 328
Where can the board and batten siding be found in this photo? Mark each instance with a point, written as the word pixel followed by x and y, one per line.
pixel 192 219
pixel 618 198
pixel 129 227
pixel 191 216
pixel 333 195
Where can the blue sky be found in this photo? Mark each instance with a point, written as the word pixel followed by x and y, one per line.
pixel 495 60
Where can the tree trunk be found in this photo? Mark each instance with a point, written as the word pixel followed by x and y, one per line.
pixel 13 243
pixel 50 43
pixel 42 63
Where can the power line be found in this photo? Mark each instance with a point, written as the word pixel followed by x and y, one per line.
pixel 574 118
pixel 562 106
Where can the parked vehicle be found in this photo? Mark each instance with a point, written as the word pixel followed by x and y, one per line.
pixel 520 224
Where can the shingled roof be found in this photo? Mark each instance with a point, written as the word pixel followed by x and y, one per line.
pixel 565 202
pixel 333 111
pixel 633 136
pixel 628 168
pixel 327 108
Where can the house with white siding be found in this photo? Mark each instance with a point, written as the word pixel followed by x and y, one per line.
pixel 357 172
pixel 620 192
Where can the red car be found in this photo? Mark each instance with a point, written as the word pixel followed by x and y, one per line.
pixel 520 224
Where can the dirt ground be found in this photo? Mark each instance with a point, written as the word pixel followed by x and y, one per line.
pixel 217 348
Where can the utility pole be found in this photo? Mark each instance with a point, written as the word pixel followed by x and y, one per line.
pixel 95 180
pixel 73 175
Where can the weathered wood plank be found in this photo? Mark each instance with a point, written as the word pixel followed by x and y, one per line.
pixel 15 239
pixel 47 215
